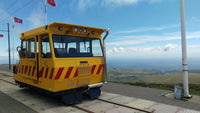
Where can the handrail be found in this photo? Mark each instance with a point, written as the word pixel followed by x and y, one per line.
pixel 104 51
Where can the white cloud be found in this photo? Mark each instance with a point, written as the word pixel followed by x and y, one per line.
pixel 115 50
pixel 37 18
pixel 156 52
pixel 154 1
pixel 128 50
pixel 195 20
pixel 134 39
pixel 120 2
pixel 116 3
pixel 126 42
pixel 144 29
pixel 4 16
pixel 84 4
pixel 194 46
pixel 169 47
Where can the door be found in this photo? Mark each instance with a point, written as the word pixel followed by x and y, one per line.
pixel 46 67
pixel 28 60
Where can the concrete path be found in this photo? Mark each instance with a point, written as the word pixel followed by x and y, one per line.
pixel 21 100
pixel 5 67
pixel 146 98
pixel 151 94
pixel 10 105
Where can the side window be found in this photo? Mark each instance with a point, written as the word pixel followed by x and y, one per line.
pixel 59 45
pixel 71 48
pixel 31 48
pixel 96 48
pixel 23 49
pixel 46 50
pixel 85 47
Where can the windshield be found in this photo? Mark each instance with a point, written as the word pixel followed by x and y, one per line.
pixel 71 46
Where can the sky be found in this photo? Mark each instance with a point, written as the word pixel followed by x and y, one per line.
pixel 139 29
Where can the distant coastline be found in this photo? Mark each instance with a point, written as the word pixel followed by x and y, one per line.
pixel 157 64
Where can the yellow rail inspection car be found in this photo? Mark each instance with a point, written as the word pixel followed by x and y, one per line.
pixel 63 59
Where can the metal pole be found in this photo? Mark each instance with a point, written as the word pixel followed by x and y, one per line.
pixel 13 41
pixel 45 11
pixel 9 45
pixel 104 50
pixel 184 52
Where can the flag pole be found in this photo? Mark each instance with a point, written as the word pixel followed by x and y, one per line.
pixel 184 52
pixel 9 45
pixel 45 11
pixel 13 38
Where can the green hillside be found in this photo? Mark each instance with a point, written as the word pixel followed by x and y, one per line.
pixel 143 75
pixel 154 78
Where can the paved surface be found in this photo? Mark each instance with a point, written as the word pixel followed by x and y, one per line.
pixel 5 67
pixel 28 101
pixel 156 95
pixel 153 97
pixel 194 99
pixel 10 105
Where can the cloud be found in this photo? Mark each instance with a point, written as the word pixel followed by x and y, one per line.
pixel 116 3
pixel 37 18
pixel 120 2
pixel 126 42
pixel 169 47
pixel 4 16
pixel 135 39
pixel 127 50
pixel 80 5
pixel 84 4
pixel 115 50
pixel 154 1
pixel 144 29
pixel 195 19
pixel 194 46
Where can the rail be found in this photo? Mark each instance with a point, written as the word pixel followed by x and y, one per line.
pixel 104 51
pixel 126 106
pixel 88 111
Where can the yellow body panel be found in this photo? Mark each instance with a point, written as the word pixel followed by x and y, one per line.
pixel 59 74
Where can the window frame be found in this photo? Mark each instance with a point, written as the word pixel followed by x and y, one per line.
pixel 78 45
pixel 22 42
pixel 42 48
pixel 27 48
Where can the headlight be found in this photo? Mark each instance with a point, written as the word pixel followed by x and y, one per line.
pixel 93 32
pixel 75 30
pixel 60 28
pixel 85 30
pixel 80 30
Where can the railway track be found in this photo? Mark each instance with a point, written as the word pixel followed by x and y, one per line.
pixel 125 106
pixel 86 110
pixel 6 75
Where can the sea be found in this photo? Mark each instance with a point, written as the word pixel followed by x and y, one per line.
pixel 158 64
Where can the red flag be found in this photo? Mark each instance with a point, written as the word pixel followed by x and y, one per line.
pixel 1 35
pixel 17 20
pixel 51 2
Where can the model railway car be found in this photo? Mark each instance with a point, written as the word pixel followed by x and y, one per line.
pixel 63 59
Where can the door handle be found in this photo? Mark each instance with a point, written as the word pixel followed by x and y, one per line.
pixel 34 62
pixel 45 64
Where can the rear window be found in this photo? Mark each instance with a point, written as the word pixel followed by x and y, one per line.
pixel 70 46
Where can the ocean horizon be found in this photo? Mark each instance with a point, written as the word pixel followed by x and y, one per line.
pixel 158 64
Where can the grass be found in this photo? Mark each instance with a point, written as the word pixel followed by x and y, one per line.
pixel 154 78
pixel 170 78
pixel 194 89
